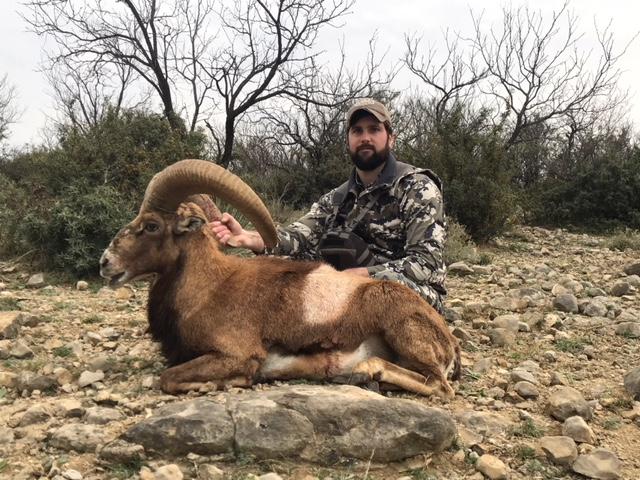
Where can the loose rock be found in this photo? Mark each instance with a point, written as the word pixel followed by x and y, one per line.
pixel 492 467
pixel 9 324
pixel 576 428
pixel 87 378
pixel 559 450
pixel 600 464
pixel 566 302
pixel 632 382
pixel 78 437
pixel 565 402
pixel 36 280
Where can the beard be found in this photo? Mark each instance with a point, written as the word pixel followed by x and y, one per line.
pixel 373 161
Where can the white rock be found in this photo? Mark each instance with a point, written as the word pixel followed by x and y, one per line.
pixel 36 280
pixel 576 428
pixel 169 472
pixel 492 467
pixel 210 472
pixel 559 449
pixel 270 476
pixel 72 475
pixel 87 378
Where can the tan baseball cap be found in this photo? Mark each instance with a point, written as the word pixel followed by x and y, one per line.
pixel 371 106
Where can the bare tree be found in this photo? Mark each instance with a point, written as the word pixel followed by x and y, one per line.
pixel 453 78
pixel 84 94
pixel 269 56
pixel 538 72
pixel 315 122
pixel 8 113
pixel 145 36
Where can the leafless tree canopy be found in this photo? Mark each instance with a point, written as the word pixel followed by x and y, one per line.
pixel 534 68
pixel 8 112
pixel 453 76
pixel 245 53
pixel 314 122
pixel 269 56
pixel 84 95
pixel 154 39
pixel 539 73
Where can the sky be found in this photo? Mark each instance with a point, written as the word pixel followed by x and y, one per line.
pixel 21 51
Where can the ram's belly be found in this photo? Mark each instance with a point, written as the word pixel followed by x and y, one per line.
pixel 280 365
pixel 327 294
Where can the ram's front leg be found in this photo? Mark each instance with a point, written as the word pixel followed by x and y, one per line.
pixel 215 369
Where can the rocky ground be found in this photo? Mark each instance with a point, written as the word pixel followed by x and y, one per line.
pixel 550 328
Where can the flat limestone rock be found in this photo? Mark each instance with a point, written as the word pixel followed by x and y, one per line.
pixel 307 422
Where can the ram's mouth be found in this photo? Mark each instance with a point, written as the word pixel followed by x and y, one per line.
pixel 117 279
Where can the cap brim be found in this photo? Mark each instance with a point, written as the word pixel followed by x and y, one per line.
pixel 379 117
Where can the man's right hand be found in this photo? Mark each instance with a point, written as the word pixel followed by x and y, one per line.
pixel 230 233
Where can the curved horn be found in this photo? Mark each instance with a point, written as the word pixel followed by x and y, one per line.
pixel 187 177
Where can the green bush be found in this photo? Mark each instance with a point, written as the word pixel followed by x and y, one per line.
pixel 624 240
pixel 459 246
pixel 595 185
pixel 74 231
pixel 470 159
pixel 67 202
pixel 13 199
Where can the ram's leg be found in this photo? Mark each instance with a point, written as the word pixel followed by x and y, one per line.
pixel 285 366
pixel 394 375
pixel 424 352
pixel 215 369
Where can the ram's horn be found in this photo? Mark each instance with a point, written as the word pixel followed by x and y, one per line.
pixel 168 188
pixel 208 206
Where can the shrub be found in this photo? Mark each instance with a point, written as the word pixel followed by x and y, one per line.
pixel 624 240
pixel 471 161
pixel 602 193
pixel 74 231
pixel 459 246
pixel 67 202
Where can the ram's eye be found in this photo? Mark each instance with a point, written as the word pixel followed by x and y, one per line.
pixel 151 227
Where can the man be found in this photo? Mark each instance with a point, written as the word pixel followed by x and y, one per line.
pixel 386 222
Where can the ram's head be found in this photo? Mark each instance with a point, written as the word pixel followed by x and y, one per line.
pixel 148 244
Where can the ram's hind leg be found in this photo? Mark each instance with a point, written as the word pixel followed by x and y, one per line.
pixel 383 371
pixel 425 353
pixel 423 341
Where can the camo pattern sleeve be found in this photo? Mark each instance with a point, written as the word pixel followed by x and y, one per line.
pixel 421 262
pixel 300 239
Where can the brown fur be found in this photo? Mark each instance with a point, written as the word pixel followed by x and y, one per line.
pixel 217 316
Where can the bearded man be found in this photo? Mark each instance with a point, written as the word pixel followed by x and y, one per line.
pixel 386 221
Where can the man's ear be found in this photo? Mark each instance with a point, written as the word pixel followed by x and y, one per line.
pixel 392 140
pixel 187 224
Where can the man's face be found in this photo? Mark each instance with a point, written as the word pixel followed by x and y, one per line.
pixel 369 143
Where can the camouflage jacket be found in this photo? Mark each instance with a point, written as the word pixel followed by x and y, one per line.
pixel 404 226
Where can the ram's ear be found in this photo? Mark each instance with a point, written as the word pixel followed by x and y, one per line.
pixel 188 224
pixel 189 218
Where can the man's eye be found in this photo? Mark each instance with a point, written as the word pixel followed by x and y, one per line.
pixel 151 227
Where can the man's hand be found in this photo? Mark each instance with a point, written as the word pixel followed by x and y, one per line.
pixel 230 233
pixel 360 271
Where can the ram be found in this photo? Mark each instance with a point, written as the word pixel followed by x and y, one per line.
pixel 225 320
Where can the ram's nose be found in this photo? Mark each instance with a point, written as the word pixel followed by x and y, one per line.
pixel 104 263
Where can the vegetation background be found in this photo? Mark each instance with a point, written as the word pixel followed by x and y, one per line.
pixel 520 123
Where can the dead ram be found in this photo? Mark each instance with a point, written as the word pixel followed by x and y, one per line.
pixel 225 320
